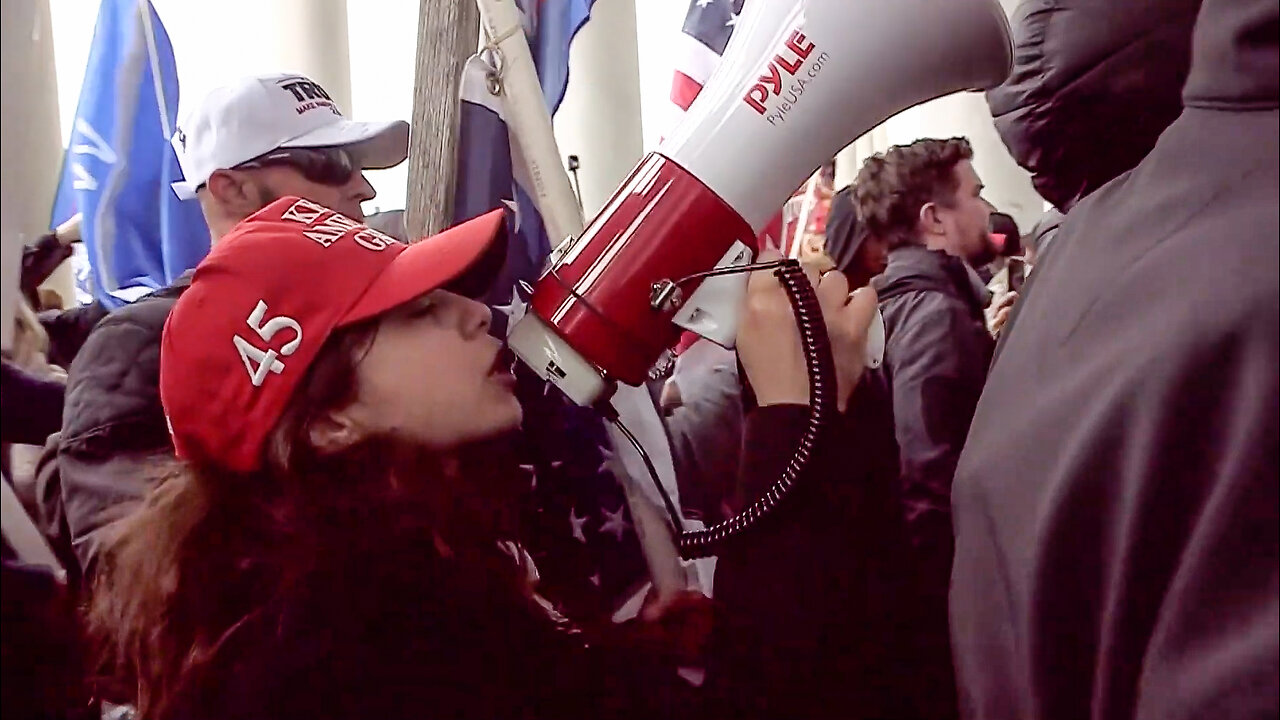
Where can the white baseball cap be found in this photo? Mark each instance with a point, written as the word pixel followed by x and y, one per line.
pixel 248 118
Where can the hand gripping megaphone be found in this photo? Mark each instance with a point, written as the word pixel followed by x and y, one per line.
pixel 799 80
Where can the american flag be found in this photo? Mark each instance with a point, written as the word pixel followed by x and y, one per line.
pixel 699 46
pixel 578 527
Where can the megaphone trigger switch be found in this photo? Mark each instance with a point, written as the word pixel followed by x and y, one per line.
pixel 665 296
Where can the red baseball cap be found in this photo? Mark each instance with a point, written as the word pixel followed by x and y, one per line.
pixel 240 340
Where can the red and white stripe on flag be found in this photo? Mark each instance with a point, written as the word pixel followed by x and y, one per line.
pixel 694 64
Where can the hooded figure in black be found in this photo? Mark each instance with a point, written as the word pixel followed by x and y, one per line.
pixel 1115 506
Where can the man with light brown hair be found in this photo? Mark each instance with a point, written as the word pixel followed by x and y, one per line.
pixel 924 201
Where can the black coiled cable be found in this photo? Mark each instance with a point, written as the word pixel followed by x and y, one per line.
pixel 821 368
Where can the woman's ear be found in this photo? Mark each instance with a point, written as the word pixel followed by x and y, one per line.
pixel 335 431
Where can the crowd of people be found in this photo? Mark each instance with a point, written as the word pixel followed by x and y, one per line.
pixel 284 486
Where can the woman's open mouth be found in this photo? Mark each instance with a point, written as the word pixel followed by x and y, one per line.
pixel 504 366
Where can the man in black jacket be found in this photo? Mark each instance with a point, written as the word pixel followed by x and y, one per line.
pixel 244 145
pixel 925 201
pixel 1117 540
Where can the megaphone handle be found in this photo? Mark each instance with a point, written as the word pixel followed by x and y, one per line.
pixel 693 544
pixel 821 369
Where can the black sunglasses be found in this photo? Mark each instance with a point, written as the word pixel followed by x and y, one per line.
pixel 327 166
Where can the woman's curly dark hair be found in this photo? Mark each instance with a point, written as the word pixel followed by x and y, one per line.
pixel 893 186
pixel 212 550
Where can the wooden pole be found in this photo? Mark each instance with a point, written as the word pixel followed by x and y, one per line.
pixel 447 33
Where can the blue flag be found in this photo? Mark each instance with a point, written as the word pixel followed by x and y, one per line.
pixel 138 235
pixel 550 26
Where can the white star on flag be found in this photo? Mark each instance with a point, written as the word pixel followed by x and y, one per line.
pixel 595 579
pixel 615 523
pixel 533 476
pixel 609 463
pixel 514 207
pixel 578 523
pixel 732 21
pixel 704 3
pixel 514 309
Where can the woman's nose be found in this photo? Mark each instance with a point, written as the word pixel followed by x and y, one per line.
pixel 478 317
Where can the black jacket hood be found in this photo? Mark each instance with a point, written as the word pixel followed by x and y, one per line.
pixel 1235 56
pixel 1094 83
pixel 845 233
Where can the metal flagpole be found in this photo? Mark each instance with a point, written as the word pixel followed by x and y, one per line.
pixel 144 11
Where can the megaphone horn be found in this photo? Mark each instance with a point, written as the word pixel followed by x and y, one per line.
pixel 799 81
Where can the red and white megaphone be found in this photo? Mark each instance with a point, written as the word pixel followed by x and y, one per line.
pixel 800 80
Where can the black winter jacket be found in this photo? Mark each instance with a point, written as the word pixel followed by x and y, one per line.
pixel 815 616
pixel 1117 537
pixel 113 423
pixel 937 350
pixel 68 330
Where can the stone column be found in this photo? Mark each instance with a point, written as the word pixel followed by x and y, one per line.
pixel 599 120
pixel 849 160
pixel 32 141
pixel 217 42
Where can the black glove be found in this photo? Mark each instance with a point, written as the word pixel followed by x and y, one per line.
pixel 39 260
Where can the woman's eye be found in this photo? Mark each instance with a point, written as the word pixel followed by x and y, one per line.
pixel 425 309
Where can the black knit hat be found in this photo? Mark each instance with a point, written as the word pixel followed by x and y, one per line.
pixel 845 233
